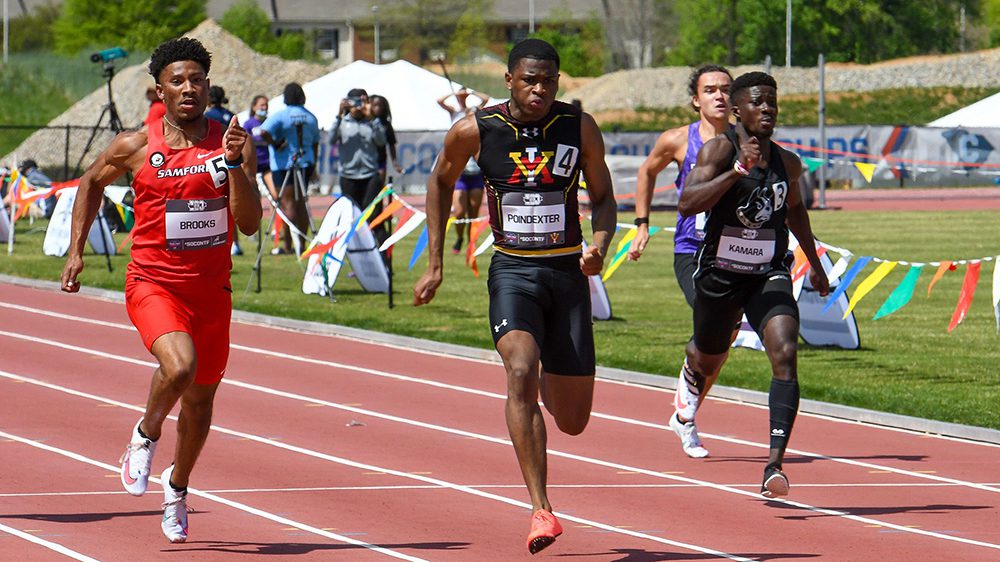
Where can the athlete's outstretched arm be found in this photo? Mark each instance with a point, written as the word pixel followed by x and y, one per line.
pixel 660 157
pixel 797 220
pixel 107 167
pixel 460 144
pixel 603 209
pixel 244 199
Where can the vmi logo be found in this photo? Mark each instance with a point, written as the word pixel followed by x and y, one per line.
pixel 195 205
pixel 532 198
pixel 529 165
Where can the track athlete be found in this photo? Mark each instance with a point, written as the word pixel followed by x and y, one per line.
pixel 532 150
pixel 192 183
pixel 749 185
pixel 709 91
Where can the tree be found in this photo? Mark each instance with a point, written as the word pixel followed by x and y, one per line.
pixel 33 31
pixel 638 31
pixel 991 13
pixel 862 31
pixel 581 50
pixel 471 37
pixel 422 27
pixel 132 24
pixel 246 20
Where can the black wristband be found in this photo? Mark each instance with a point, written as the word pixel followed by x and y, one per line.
pixel 233 163
pixel 641 220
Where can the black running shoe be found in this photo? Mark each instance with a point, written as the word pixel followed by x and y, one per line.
pixel 775 483
pixel 457 248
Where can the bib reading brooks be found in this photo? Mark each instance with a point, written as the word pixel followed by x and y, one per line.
pixel 531 172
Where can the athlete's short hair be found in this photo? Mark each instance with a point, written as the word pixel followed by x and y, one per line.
pixel 175 50
pixel 696 75
pixel 532 48
pixel 749 80
pixel 294 95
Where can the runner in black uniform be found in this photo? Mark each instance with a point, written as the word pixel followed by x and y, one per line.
pixel 532 151
pixel 749 185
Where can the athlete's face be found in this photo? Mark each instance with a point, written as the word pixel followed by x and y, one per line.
pixel 533 85
pixel 712 98
pixel 757 108
pixel 183 85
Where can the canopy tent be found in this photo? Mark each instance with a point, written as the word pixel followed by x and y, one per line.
pixel 412 93
pixel 983 113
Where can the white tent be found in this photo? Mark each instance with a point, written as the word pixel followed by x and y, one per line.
pixel 983 113
pixel 412 93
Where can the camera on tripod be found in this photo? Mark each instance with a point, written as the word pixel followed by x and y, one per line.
pixel 108 55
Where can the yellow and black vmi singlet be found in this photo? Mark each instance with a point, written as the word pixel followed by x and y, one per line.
pixel 531 172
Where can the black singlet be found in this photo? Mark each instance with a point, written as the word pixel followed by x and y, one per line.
pixel 531 173
pixel 746 232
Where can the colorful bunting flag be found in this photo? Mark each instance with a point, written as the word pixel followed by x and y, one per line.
pixel 902 294
pixel 387 212
pixel 846 281
pixel 945 266
pixel 408 222
pixel 620 253
pixel 867 170
pixel 868 284
pixel 965 297
pixel 812 164
pixel 419 248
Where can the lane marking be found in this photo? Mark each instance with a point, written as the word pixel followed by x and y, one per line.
pixel 210 496
pixel 551 452
pixel 798 485
pixel 629 421
pixel 264 327
pixel 338 460
pixel 47 544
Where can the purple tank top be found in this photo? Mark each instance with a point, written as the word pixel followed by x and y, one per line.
pixel 688 236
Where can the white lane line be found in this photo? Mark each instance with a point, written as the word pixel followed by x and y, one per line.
pixel 130 328
pixel 798 486
pixel 490 439
pixel 47 544
pixel 338 460
pixel 620 419
pixel 207 495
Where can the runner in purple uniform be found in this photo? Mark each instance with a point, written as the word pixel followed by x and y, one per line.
pixel 709 90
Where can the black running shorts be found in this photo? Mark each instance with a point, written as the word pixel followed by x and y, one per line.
pixel 550 299
pixel 761 297
pixel 684 267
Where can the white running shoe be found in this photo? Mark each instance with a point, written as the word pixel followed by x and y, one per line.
pixel 689 437
pixel 175 510
pixel 136 461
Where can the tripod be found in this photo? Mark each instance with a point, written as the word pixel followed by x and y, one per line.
pixel 115 124
pixel 300 193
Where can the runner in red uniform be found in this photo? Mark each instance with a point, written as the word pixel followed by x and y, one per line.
pixel 192 185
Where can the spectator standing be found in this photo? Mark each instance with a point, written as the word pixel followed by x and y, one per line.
pixel 381 109
pixel 293 136
pixel 359 135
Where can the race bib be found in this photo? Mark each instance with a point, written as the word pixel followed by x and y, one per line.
pixel 700 220
pixel 531 220
pixel 745 250
pixel 196 224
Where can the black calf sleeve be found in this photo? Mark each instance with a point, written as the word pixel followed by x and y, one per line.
pixel 783 402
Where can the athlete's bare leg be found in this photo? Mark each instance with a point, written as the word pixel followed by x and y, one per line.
pixel 525 423
pixel 178 364
pixel 460 210
pixel 569 399
pixel 475 202
pixel 193 425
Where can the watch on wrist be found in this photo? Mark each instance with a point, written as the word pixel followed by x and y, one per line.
pixel 641 220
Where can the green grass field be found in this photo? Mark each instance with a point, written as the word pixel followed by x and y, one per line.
pixel 908 364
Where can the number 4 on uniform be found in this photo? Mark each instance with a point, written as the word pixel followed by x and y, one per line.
pixel 565 160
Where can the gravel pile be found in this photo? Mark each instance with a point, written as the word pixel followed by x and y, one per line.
pixel 667 86
pixel 240 70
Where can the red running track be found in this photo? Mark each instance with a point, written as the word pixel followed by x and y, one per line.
pixel 329 448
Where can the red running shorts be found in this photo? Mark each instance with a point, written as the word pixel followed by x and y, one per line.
pixel 203 312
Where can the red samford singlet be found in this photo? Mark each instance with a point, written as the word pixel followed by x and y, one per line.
pixel 182 219
pixel 532 173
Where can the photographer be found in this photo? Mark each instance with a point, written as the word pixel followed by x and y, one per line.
pixel 359 136
pixel 293 138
